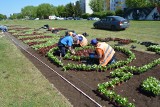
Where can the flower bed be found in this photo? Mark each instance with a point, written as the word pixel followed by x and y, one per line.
pixel 119 95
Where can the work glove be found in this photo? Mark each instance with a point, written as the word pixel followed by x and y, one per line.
pixel 73 52
pixel 92 55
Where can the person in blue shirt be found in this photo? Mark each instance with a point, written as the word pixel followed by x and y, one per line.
pixel 66 43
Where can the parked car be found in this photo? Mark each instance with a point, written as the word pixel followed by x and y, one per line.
pixel 77 18
pixel 112 22
pixel 59 18
pixel 36 19
pixel 70 18
pixel 93 18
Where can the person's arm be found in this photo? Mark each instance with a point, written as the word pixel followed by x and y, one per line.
pixel 99 53
pixel 70 43
pixel 70 48
pixel 78 42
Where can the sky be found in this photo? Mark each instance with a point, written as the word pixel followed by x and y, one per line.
pixel 8 7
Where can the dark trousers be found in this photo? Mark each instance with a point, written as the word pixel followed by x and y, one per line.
pixel 62 49
pixel 113 60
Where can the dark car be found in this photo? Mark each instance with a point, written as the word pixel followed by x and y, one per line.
pixel 112 22
pixel 77 18
pixel 70 18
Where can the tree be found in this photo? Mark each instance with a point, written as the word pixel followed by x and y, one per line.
pixel 77 9
pixel 29 11
pixel 3 16
pixel 61 11
pixel 16 16
pixel 97 5
pixel 69 9
pixel 45 10
pixel 140 3
pixel 155 2
pixel 54 9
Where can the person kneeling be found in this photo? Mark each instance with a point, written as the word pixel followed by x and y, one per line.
pixel 104 52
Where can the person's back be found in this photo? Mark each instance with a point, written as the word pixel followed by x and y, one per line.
pixel 106 51
pixel 83 40
pixel 67 41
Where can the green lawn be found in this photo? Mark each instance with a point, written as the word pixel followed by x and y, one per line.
pixel 138 30
pixel 21 84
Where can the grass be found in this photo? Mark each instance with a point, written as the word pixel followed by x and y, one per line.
pixel 138 30
pixel 22 85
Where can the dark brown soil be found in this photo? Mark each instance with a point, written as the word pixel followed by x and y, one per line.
pixel 88 81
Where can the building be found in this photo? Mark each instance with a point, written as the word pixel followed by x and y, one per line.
pixel 108 5
pixel 115 4
pixel 85 6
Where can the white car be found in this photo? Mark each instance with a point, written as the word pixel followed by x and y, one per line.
pixel 59 18
pixel 36 19
pixel 95 18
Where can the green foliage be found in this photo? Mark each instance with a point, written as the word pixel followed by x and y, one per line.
pixel 151 85
pixel 77 9
pixel 102 14
pixel 16 16
pixel 110 13
pixel 3 16
pixel 45 10
pixel 140 3
pixel 96 5
pixel 97 14
pixel 61 11
pixel 154 48
pixel 85 15
pixel 119 12
pixel 29 11
pixel 69 9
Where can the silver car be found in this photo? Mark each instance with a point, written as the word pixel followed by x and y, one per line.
pixel 112 22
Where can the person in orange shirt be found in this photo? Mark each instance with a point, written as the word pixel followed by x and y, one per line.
pixel 80 40
pixel 104 52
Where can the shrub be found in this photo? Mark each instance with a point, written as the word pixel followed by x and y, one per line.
pixel 85 15
pixel 110 13
pixel 151 86
pixel 119 12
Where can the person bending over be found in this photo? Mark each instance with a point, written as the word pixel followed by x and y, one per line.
pixel 79 40
pixel 65 43
pixel 104 52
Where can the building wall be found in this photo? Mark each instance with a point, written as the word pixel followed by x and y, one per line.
pixel 85 6
pixel 108 5
pixel 115 4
